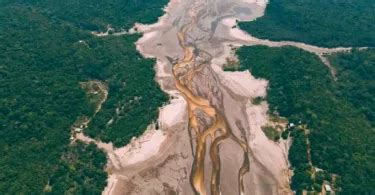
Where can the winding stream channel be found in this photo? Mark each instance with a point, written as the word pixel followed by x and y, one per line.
pixel 191 42
pixel 204 120
pixel 214 143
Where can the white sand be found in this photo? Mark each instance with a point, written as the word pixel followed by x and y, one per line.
pixel 271 155
pixel 142 148
pixel 259 2
pixel 243 83
pixel 250 40
pixel 234 31
pixel 267 152
pixel 173 113
pixel 148 145
pixel 111 182
pixel 143 39
pixel 228 53
pixel 160 66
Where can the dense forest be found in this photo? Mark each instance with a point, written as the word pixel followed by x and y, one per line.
pixel 46 50
pixel 96 14
pixel 134 96
pixel 356 72
pixel 338 114
pixel 328 23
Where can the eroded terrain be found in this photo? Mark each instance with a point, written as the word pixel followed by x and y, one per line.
pixel 218 147
pixel 210 138
pixel 213 140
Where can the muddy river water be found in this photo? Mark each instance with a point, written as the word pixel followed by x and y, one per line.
pixel 205 119
pixel 217 147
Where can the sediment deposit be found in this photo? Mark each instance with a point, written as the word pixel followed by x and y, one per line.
pixel 214 145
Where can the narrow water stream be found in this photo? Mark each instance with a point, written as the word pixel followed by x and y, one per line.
pixel 211 139
pixel 184 72
pixel 221 149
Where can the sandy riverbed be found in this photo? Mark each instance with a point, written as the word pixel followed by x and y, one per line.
pixel 173 162
pixel 159 162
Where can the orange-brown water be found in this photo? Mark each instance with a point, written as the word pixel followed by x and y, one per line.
pixel 218 131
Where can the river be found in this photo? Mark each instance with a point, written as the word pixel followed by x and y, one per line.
pixel 217 145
